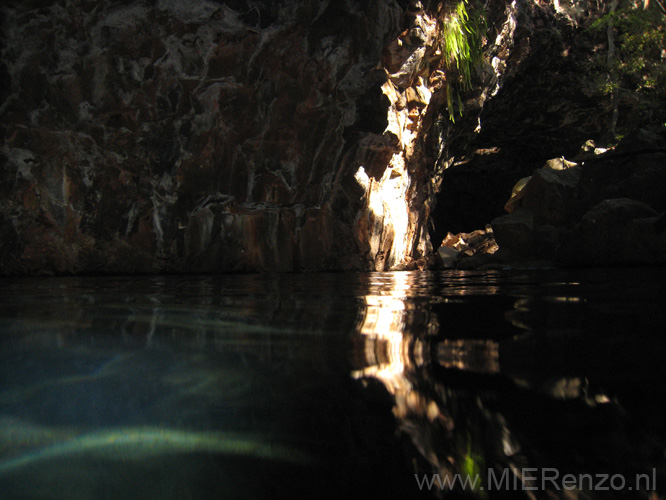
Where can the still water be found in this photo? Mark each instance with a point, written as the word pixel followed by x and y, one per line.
pixel 498 384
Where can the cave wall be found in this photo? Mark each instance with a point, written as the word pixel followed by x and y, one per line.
pixel 164 136
pixel 543 109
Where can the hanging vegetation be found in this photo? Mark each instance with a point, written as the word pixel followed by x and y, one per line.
pixel 460 42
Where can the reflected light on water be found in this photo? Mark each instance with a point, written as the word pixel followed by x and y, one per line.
pixel 177 387
pixel 470 355
pixel 381 328
pixel 565 299
pixel 393 344
pixel 460 414
pixel 398 344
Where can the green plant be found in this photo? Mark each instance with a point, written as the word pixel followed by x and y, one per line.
pixel 460 45
pixel 627 62
pixel 641 35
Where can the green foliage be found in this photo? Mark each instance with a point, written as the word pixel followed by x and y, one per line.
pixel 472 463
pixel 460 41
pixel 642 37
pixel 637 67
pixel 461 36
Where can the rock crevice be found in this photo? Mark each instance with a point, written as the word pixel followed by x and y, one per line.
pixel 234 136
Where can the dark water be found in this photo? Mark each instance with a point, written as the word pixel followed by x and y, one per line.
pixel 379 385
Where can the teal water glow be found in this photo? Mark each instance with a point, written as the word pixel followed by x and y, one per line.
pixel 135 444
pixel 329 385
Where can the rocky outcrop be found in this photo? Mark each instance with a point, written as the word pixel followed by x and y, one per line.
pixel 231 136
pixel 530 129
pixel 246 135
pixel 142 137
pixel 600 211
pixel 540 110
pixel 469 248
pixel 605 208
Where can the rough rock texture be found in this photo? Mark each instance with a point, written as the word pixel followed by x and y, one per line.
pixel 240 135
pixel 194 136
pixel 608 210
pixel 456 247
pixel 539 111
pixel 599 210
pixel 217 136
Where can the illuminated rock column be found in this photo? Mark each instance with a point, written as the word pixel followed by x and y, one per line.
pixel 391 226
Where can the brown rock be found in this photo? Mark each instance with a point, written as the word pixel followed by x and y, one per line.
pixel 551 195
pixel 514 231
pixel 415 97
pixel 144 137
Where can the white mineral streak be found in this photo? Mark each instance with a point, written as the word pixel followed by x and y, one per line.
pixel 393 232
pixel 504 39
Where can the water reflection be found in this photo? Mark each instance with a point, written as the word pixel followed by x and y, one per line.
pixel 508 414
pixel 165 387
pixel 240 387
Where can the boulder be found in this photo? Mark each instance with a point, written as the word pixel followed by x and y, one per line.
pixel 514 231
pixel 639 175
pixel 476 248
pixel 609 210
pixel 448 256
pixel 517 194
pixel 615 231
pixel 551 194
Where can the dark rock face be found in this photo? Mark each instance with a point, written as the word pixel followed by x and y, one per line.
pixel 600 210
pixel 543 109
pixel 222 136
pixel 249 135
pixel 196 136
pixel 473 193
pixel 608 210
pixel 538 112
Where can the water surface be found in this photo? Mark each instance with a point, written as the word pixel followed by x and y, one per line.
pixel 369 385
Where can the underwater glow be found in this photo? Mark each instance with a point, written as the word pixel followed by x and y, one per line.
pixel 131 443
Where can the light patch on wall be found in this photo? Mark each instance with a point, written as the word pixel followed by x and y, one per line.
pixel 389 226
pixel 388 205
pixel 362 178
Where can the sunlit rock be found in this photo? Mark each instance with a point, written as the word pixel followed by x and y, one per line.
pixel 467 246
pixel 227 136
pixel 517 194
